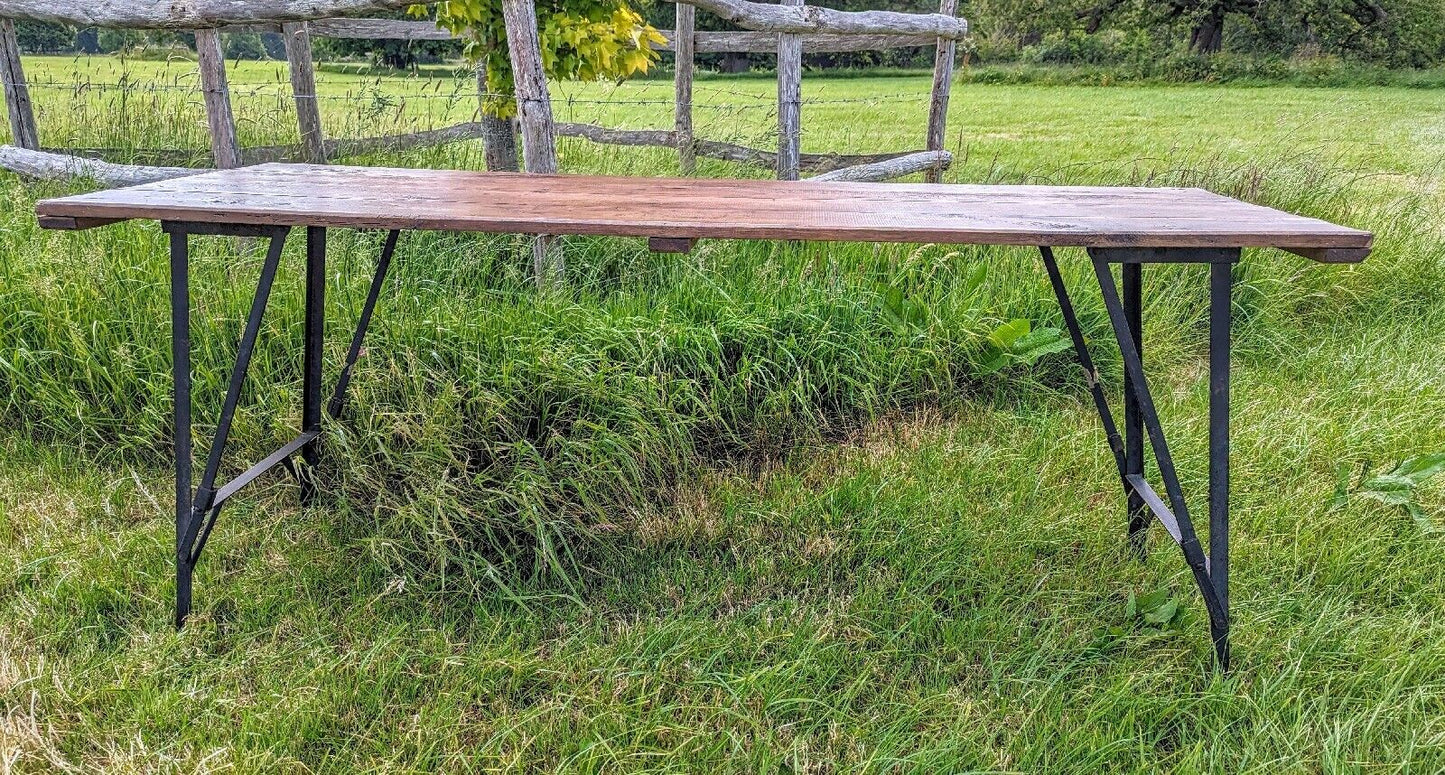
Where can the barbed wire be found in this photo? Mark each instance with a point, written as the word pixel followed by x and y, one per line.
pixel 282 91
pixel 400 106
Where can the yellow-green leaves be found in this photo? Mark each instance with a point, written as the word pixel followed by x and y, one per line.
pixel 584 40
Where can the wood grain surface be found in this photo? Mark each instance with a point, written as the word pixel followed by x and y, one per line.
pixel 691 208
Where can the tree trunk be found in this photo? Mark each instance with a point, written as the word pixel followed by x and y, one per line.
pixel 1208 34
pixel 735 63
pixel 499 136
pixel 500 139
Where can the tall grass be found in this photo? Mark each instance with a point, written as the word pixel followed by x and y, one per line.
pixel 817 537
pixel 491 427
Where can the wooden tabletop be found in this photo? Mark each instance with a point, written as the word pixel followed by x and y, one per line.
pixel 692 208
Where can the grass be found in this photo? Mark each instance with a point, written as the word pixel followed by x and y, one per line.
pixel 817 538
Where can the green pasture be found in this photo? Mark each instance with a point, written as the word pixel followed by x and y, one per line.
pixel 761 508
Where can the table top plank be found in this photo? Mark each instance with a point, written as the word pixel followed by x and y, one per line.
pixel 688 208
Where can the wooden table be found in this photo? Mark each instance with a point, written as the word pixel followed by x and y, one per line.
pixel 1126 226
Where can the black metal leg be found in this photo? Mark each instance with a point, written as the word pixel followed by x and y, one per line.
pixel 338 397
pixel 1211 572
pixel 181 374
pixel 196 512
pixel 311 377
pixel 205 509
pixel 1135 511
pixel 1220 314
pixel 1091 374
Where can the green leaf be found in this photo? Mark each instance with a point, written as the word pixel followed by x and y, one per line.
pixel 1154 599
pixel 1389 497
pixel 1388 483
pixel 975 279
pixel 1421 467
pixel 1342 487
pixel 1038 343
pixel 995 364
pixel 1421 518
pixel 1163 614
pixel 1005 335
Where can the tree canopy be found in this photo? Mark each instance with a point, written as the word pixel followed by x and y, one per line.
pixel 584 40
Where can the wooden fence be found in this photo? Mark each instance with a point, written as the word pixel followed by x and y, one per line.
pixel 788 30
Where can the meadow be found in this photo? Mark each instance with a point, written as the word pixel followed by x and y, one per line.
pixel 761 508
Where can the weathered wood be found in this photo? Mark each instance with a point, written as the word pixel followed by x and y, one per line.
pixel 705 42
pixel 600 134
pixel 683 39
pixel 74 224
pixel 715 149
pixel 225 148
pixel 766 17
pixel 790 101
pixel 534 106
pixel 813 43
pixel 56 166
pixel 200 14
pixel 303 89
pixel 697 208
pixel 188 15
pixel 380 29
pixel 890 169
pixel 942 84
pixel 23 131
pixel 471 130
pixel 1332 255
pixel 534 111
pixel 670 244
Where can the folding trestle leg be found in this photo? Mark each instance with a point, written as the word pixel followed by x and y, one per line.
pixel 1211 572
pixel 196 512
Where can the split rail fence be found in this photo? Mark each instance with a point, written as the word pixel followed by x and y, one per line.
pixel 770 31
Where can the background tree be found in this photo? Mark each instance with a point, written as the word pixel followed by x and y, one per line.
pixel 399 54
pixel 1388 32
pixel 43 37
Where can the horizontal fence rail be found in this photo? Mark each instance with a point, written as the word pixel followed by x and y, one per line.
pixel 745 42
pixel 205 14
pixel 787 29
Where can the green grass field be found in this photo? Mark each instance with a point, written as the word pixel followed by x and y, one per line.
pixel 756 509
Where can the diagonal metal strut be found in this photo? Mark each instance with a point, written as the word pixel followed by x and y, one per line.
pixel 1138 386
pixel 1091 373
pixel 338 398
pixel 204 509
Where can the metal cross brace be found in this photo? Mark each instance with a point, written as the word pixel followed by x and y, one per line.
pixel 1141 420
pixel 196 512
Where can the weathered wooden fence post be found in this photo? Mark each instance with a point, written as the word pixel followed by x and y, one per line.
pixel 942 85
pixel 682 47
pixel 790 101
pixel 225 148
pixel 534 109
pixel 534 106
pixel 303 89
pixel 17 95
